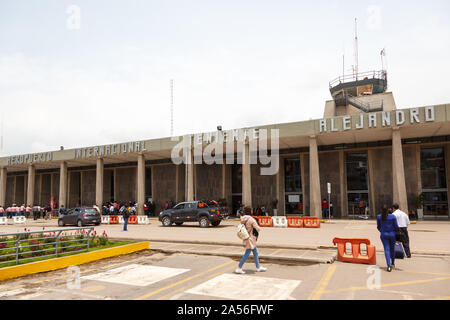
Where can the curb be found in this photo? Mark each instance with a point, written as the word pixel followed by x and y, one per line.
pixel 63 262
pixel 261 256
pixel 234 244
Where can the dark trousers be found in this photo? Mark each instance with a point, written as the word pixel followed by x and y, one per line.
pixel 388 241
pixel 403 237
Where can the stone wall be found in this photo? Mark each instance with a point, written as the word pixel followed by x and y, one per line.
pixel 208 182
pixel 382 179
pixel 55 188
pixel 108 192
pixel 264 188
pixel 126 184
pixel 74 188
pixel 9 190
pixel 164 179
pixel 411 179
pixel 329 172
pixel 45 192
pixel 88 189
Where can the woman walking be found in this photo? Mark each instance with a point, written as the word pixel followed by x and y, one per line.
pixel 387 225
pixel 250 243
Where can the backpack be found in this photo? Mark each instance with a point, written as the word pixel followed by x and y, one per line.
pixel 242 232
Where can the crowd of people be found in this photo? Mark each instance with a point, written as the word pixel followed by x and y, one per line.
pixel 36 211
pixel 115 207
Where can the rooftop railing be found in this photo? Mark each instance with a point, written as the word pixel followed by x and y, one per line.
pixel 382 75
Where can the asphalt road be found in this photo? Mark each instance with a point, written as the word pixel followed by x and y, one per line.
pixel 159 276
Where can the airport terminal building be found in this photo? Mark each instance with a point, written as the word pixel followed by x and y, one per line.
pixel 366 148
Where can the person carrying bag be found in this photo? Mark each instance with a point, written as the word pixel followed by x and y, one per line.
pixel 246 233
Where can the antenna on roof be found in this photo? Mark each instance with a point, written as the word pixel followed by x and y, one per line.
pixel 1 136
pixel 383 55
pixel 356 49
pixel 171 107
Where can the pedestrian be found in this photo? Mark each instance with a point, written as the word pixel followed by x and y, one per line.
pixel 36 212
pixel 125 214
pixel 387 225
pixel 2 211
pixel 362 207
pixel 250 243
pixel 324 208
pixel 240 211
pixel 28 211
pixel 22 210
pixel 402 233
pixel 62 210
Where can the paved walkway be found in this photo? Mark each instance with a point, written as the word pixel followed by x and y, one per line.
pixel 427 238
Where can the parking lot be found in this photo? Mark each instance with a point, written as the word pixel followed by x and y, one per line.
pixel 152 275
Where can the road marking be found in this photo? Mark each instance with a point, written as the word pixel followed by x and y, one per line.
pixel 136 275
pixel 321 286
pixel 172 294
pixel 182 281
pixel 441 298
pixel 393 284
pixel 238 287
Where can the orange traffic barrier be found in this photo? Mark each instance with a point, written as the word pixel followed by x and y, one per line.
pixel 113 219
pixel 133 220
pixel 355 257
pixel 311 222
pixel 295 222
pixel 265 221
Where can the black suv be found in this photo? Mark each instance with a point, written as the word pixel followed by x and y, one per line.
pixel 192 211
pixel 80 216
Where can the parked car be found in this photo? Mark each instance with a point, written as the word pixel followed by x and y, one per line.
pixel 192 211
pixel 80 216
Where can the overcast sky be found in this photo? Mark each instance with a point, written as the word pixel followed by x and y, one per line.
pixel 82 73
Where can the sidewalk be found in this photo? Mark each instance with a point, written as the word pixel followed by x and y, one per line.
pixel 426 238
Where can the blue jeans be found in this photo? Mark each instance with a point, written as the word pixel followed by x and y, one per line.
pixel 388 241
pixel 247 254
pixel 125 224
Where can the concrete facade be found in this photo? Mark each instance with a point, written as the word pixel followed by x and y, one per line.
pixel 393 140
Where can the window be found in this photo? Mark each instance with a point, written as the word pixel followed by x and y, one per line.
pixel 292 175
pixel 356 164
pixel 432 167
pixel 434 182
pixel 179 206
pixel 293 186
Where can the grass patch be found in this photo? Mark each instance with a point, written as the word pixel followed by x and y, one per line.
pixel 111 244
pixel 39 246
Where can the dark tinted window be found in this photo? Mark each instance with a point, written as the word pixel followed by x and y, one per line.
pixel 292 175
pixel 357 171
pixel 432 167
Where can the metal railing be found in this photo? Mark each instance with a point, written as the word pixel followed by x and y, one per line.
pixel 358 77
pixel 15 248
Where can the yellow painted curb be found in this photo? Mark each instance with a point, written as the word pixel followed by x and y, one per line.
pixel 63 262
pixel 413 222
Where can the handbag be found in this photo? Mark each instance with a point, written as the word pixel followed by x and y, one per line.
pixel 399 250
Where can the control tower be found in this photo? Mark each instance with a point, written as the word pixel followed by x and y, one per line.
pixel 356 93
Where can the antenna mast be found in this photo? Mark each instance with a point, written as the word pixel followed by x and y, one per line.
pixel 356 49
pixel 171 107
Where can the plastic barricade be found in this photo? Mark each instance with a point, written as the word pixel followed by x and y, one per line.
pixel 19 219
pixel 3 220
pixel 113 219
pixel 105 219
pixel 279 222
pixel 355 256
pixel 311 222
pixel 143 220
pixel 133 220
pixel 295 222
pixel 265 221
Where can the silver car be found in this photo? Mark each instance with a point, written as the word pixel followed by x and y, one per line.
pixel 80 216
